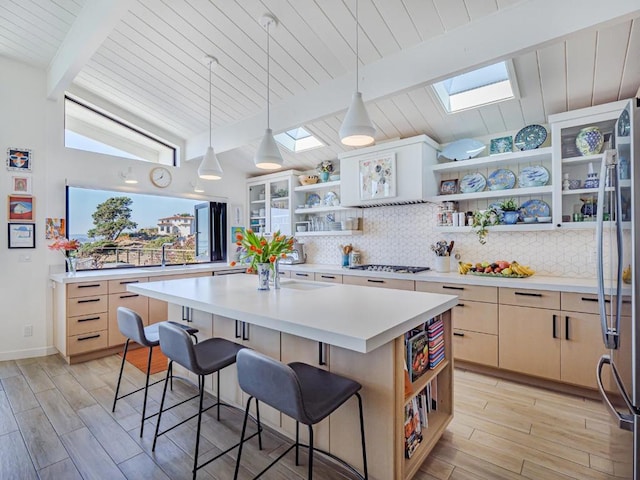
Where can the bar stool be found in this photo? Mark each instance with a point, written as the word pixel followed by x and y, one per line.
pixel 131 326
pixel 207 357
pixel 303 392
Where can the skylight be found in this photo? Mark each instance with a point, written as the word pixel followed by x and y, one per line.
pixel 298 140
pixel 483 86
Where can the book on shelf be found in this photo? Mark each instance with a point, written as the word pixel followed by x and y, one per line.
pixel 412 428
pixel 417 355
pixel 435 342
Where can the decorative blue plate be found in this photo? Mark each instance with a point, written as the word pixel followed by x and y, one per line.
pixel 501 179
pixel 313 199
pixel 534 208
pixel 473 182
pixel 462 149
pixel 624 124
pixel 501 145
pixel 536 176
pixel 331 198
pixel 530 137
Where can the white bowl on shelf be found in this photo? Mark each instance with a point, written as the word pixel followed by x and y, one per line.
pixel 529 219
pixel 544 219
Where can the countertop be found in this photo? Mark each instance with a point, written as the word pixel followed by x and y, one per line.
pixel 535 282
pixel 110 274
pixel 348 316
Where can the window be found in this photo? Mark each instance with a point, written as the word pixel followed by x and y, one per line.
pixel 90 130
pixel 298 140
pixel 483 86
pixel 122 229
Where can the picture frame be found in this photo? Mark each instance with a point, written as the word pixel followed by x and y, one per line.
pixel 501 145
pixel 449 187
pixel 19 159
pixel 20 184
pixel 378 177
pixel 54 228
pixel 21 208
pixel 21 235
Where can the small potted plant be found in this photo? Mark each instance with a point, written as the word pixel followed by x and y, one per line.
pixel 325 168
pixel 510 211
pixel 483 219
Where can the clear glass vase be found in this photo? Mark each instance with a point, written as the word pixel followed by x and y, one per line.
pixel 71 265
pixel 263 275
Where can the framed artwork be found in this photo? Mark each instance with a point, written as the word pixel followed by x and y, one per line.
pixel 501 145
pixel 19 159
pixel 22 235
pixel 21 208
pixel 54 228
pixel 378 177
pixel 20 184
pixel 449 187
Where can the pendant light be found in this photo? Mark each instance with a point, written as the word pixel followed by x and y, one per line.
pixel 268 155
pixel 210 168
pixel 357 129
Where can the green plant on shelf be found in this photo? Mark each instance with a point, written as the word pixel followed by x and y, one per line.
pixel 483 219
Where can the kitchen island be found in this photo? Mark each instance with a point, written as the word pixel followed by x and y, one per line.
pixel 351 330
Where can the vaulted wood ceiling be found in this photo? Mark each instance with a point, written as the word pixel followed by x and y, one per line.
pixel 151 64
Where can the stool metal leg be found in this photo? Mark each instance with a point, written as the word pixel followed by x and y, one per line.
pixel 195 456
pixel 297 443
pixel 364 448
pixel 164 394
pixel 310 474
pixel 146 391
pixel 259 426
pixel 124 357
pixel 218 387
pixel 244 431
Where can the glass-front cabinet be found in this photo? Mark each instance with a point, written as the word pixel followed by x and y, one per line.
pixel 269 202
pixel 580 140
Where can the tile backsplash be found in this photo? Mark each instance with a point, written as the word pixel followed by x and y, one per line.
pixel 403 235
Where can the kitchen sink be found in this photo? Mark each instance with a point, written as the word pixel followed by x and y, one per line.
pixel 303 285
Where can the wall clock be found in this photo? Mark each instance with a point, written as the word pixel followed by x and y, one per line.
pixel 160 177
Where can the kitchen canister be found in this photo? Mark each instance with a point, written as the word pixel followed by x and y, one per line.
pixel 354 258
pixel 443 264
pixel 589 141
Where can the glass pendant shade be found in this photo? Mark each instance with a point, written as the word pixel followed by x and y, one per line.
pixel 357 129
pixel 268 155
pixel 210 168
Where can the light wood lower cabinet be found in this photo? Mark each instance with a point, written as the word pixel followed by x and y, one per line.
pixel 475 347
pixel 379 282
pixel 135 302
pixel 581 348
pixel 328 277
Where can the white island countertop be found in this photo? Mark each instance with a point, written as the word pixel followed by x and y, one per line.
pixel 352 317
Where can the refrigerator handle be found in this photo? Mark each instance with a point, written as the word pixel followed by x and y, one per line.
pixel 619 242
pixel 625 420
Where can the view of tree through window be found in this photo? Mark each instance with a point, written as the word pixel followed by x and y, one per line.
pixel 117 229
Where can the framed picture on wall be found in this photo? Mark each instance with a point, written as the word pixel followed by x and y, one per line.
pixel 20 184
pixel 449 187
pixel 22 235
pixel 21 208
pixel 54 228
pixel 19 159
pixel 378 177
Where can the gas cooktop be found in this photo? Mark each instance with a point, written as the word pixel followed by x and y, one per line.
pixel 389 268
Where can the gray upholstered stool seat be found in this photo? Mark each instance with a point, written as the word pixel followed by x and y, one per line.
pixel 303 392
pixel 207 357
pixel 131 326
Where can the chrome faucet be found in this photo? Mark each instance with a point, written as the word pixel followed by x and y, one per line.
pixel 164 258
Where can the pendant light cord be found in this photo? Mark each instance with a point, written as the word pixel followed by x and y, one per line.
pixel 210 62
pixel 357 47
pixel 268 73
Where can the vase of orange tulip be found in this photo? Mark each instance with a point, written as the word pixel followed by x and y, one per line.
pixel 262 253
pixel 68 249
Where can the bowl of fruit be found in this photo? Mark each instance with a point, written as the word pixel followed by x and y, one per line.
pixel 500 268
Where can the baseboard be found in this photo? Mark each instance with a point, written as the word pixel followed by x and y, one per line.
pixel 28 353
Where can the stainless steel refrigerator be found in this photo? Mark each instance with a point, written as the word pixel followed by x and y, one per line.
pixel 617 237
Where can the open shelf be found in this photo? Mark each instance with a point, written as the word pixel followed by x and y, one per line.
pixel 582 159
pixel 317 186
pixel 328 233
pixel 526 156
pixel 438 422
pixel 518 227
pixel 512 192
pixel 591 225
pixel 422 382
pixel 302 211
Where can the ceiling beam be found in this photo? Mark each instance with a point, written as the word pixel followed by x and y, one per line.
pixel 92 26
pixel 505 34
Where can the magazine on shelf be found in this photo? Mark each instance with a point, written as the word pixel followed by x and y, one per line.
pixel 417 355
pixel 412 428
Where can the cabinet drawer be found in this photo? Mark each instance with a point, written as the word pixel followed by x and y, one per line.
pixel 302 275
pixel 87 323
pixel 87 343
pixel 476 317
pixel 120 286
pixel 328 277
pixel 86 289
pixel 284 274
pixel 86 305
pixel 464 292
pixel 137 303
pixel 475 347
pixel 523 297
pixel 379 282
pixel 588 303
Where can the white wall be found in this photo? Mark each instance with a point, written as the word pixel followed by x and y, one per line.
pixel 31 121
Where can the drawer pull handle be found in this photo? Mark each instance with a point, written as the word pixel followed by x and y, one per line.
pixel 457 334
pixel 91 285
pixel 89 337
pixel 237 332
pixel 566 327
pixel 587 299
pixel 460 305
pixel 553 321
pixel 452 288
pixel 322 354
pixel 245 331
pixel 91 300
pixel 328 276
pixel 302 274
pixel 528 294
pixel 89 319
pixel 374 281
pixel 129 296
pixel 626 301
pixel 126 282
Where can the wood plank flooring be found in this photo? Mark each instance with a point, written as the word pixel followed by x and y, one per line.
pixel 56 423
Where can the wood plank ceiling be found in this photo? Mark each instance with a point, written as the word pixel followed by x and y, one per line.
pixel 151 64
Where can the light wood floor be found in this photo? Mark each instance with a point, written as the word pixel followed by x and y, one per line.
pixel 56 423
